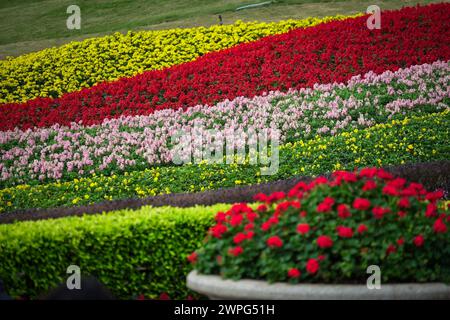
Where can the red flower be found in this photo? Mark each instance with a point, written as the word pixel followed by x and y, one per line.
pixel 220 217
pixel 250 234
pixel 401 214
pixel 218 230
pixel 303 228
pixel 401 241
pixel 312 266
pixel 368 172
pixel 369 185
pixel 344 232
pixel 239 237
pixel 274 242
pixel 418 240
pixel 361 204
pixel 433 196
pixel 404 203
pixel 325 205
pixel 343 211
pixel 260 197
pixel 303 214
pixel 164 296
pixel 273 220
pixel 276 196
pixel 141 297
pixel 294 273
pixel 249 226
pixel 235 251
pixel 390 191
pixel 324 242
pixel 321 258
pixel 391 249
pixel 346 176
pixel 379 212
pixel 431 210
pixel 192 258
pixel 265 226
pixel 262 208
pixel 382 174
pixel 236 220
pixel 251 216
pixel 362 228
pixel 439 226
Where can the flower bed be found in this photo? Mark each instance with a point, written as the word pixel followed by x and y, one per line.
pixel 135 143
pixel 55 71
pixel 411 140
pixel 433 175
pixel 331 231
pixel 331 52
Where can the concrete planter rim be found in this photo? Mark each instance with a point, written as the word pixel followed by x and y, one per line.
pixel 215 287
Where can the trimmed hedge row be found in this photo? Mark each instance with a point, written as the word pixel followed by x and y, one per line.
pixel 433 175
pixel 130 252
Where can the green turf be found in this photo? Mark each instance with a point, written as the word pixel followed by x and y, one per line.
pixel 30 25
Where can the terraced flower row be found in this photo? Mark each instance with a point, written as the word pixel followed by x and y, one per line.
pixel 55 71
pixel 415 139
pixel 331 52
pixel 135 143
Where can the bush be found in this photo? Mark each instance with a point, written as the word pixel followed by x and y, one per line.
pixel 330 231
pixel 131 252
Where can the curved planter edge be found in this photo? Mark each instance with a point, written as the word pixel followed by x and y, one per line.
pixel 217 288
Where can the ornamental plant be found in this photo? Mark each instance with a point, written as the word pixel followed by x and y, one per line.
pixel 331 230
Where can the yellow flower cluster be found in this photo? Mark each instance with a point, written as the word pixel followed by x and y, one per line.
pixel 55 71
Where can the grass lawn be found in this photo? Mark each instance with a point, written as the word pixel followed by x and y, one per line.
pixel 30 25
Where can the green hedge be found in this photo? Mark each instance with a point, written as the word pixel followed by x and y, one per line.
pixel 131 252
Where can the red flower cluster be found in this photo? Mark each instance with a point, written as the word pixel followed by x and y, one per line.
pixel 362 222
pixel 330 52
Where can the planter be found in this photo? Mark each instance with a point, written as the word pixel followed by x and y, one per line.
pixel 217 288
